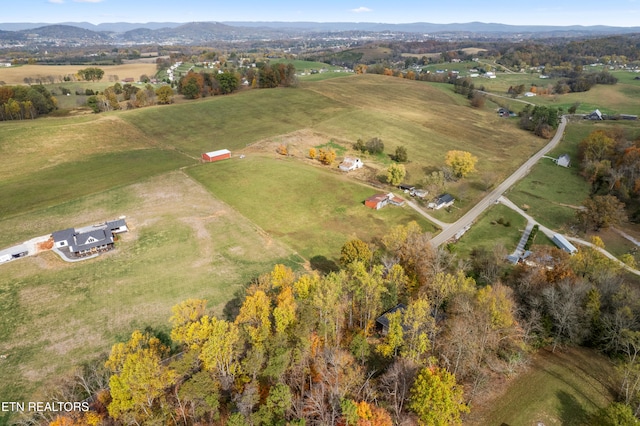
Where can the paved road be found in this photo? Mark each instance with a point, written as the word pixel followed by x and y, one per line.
pixel 466 220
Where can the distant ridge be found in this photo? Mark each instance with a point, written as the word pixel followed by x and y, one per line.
pixel 306 26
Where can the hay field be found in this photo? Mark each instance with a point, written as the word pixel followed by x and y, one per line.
pixel 16 75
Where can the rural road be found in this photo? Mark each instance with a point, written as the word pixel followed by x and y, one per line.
pixel 549 233
pixel 466 220
pixel 510 98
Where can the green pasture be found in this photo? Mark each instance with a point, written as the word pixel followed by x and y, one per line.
pixel 552 193
pixel 312 209
pixel 561 388
pixel 305 66
pixel 182 243
pixel 498 226
pixel 66 181
pixel 235 121
pixel 620 98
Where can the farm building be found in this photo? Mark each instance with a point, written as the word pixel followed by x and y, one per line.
pixel 382 322
pixel 89 240
pixel 350 163
pixel 595 115
pixel 445 200
pixel 563 244
pixel 221 154
pixel 378 201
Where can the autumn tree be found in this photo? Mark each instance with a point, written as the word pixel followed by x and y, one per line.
pixel 326 156
pixel 597 146
pixel 139 378
pixel 401 155
pixel 396 174
pixel 375 146
pixel 91 74
pixel 165 95
pixel 601 211
pixel 436 398
pixel 255 318
pixel 355 250
pixel 191 85
pixel 461 162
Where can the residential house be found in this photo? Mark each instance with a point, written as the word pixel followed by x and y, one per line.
pixel 378 201
pixel 89 240
pixel 382 322
pixel 445 200
pixel 564 160
pixel 350 163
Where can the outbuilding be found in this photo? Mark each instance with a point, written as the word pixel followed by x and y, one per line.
pixel 564 244
pixel 221 154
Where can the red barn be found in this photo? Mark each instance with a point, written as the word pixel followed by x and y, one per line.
pixel 221 154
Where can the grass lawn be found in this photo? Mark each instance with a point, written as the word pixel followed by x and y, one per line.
pixel 311 209
pixel 182 243
pixel 487 232
pixel 561 388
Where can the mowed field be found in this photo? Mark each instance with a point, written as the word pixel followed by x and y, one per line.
pixel 559 388
pixel 17 74
pixel 206 230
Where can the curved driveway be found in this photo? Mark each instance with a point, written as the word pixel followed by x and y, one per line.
pixel 466 220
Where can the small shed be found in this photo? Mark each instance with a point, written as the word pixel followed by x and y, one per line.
pixel 564 244
pixel 564 160
pixel 221 154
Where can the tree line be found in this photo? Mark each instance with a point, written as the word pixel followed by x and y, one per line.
pixel 25 102
pixel 610 161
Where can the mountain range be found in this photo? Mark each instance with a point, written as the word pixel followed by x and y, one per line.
pixel 199 32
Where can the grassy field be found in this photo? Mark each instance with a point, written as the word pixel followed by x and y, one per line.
pixel 311 209
pixel 182 243
pixel 621 98
pixel 561 388
pixel 553 193
pixel 489 233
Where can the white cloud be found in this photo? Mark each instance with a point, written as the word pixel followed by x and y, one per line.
pixel 56 1
pixel 361 9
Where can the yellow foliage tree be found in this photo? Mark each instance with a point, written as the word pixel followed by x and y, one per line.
pixel 139 377
pixel 284 314
pixel 461 162
pixel 282 149
pixel 254 317
pixel 185 313
pixel 327 157
pixel 312 153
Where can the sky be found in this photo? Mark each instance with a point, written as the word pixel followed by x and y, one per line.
pixel 621 13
